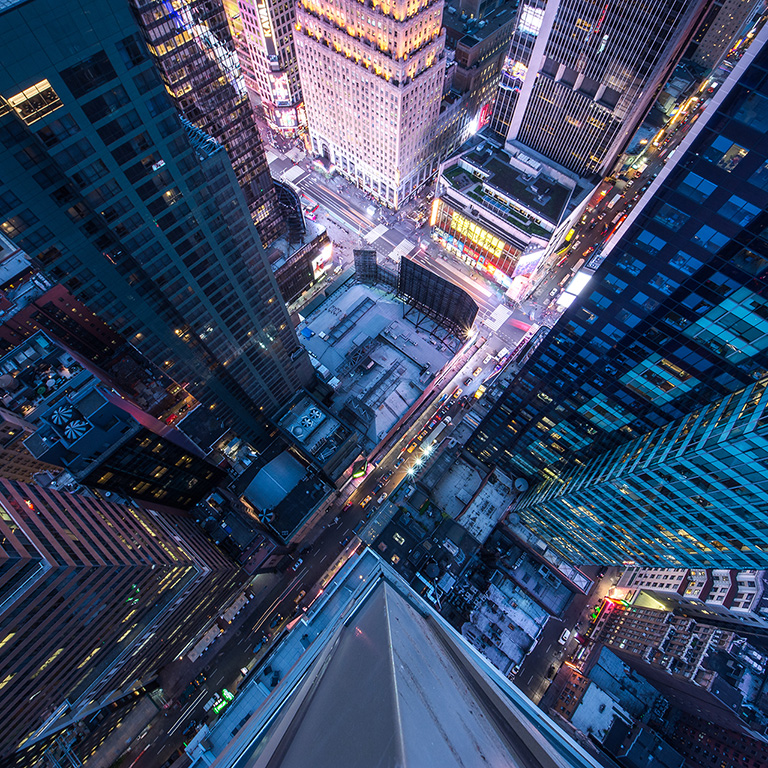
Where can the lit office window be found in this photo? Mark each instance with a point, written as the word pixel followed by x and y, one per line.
pixel 35 102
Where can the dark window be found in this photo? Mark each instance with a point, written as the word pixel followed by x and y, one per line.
pixel 106 104
pixel 754 112
pixel 130 149
pixel 75 153
pixel 147 80
pixel 119 127
pixel 90 173
pixel 58 130
pixel 89 74
pixel 132 52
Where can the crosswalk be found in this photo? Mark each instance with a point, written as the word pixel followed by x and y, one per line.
pixel 375 233
pixel 403 248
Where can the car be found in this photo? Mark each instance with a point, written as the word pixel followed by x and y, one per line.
pixel 347 506
pixel 457 393
pixel 432 423
pixel 187 693
pixel 487 359
pixel 244 671
pixel 382 497
pixel 366 500
pixel 477 371
pixel 276 619
pixel 379 486
pixel 297 564
pixel 200 679
pixel 411 448
pixel 299 597
pixel 423 434
pixel 467 381
pixel 564 637
pixel 399 462
pixel 214 699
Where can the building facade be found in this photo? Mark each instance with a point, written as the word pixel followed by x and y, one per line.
pixel 263 30
pixel 671 319
pixel 690 494
pixel 580 76
pixel 96 598
pixel 729 598
pixel 722 23
pixel 138 213
pixel 373 85
pixel 675 644
pixel 193 50
pixel 493 206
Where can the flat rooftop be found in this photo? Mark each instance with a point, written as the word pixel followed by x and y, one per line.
pixel 519 178
pixel 472 31
pixel 375 359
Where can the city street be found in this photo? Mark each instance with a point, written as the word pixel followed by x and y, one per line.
pixel 354 221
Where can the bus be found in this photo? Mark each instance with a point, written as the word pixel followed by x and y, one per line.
pixel 432 439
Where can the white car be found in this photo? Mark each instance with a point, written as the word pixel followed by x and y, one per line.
pixel 564 637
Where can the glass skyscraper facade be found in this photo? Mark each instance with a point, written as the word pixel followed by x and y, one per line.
pixel 676 315
pixel 580 75
pixel 137 211
pixel 691 494
pixel 193 50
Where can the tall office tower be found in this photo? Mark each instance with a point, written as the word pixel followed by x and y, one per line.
pixel 373 84
pixel 723 22
pixel 689 494
pixel 95 598
pixel 673 318
pixel 138 214
pixel 581 75
pixel 193 50
pixel 263 32
pixel 381 679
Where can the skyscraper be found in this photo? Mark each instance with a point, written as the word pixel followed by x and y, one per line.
pixel 138 213
pixel 191 45
pixel 373 84
pixel 673 318
pixel 95 598
pixel 689 494
pixel 722 23
pixel 581 75
pixel 380 678
pixel 263 31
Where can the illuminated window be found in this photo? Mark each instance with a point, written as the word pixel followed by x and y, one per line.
pixel 35 102
pixel 530 20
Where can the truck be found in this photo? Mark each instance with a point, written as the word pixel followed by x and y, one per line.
pixel 502 353
pixel 615 199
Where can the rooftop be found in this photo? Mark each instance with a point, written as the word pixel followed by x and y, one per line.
pixel 506 184
pixel 437 702
pixel 472 31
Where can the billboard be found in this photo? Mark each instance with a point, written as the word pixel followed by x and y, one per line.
pixel 439 299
